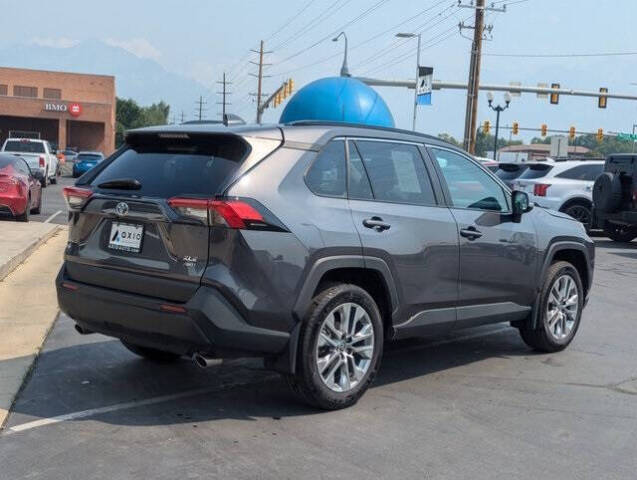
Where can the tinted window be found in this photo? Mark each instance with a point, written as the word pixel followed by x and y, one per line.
pixel 22 166
pixel 89 157
pixel 26 147
pixel 510 171
pixel 536 171
pixel 582 172
pixel 327 174
pixel 359 186
pixel 168 168
pixel 469 185
pixel 397 172
pixel 5 162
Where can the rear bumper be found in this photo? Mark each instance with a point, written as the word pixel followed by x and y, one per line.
pixel 207 323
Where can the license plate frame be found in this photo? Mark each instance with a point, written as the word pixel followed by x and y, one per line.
pixel 126 237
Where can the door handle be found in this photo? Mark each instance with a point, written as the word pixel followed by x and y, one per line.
pixel 470 233
pixel 376 223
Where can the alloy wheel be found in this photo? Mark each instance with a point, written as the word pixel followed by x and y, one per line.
pixel 345 347
pixel 580 213
pixel 562 307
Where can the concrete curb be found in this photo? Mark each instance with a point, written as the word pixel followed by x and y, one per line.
pixel 9 266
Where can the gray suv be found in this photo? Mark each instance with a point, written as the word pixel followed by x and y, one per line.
pixel 310 245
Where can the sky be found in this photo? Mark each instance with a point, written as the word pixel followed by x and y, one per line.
pixel 203 38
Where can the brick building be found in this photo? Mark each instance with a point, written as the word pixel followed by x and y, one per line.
pixel 67 109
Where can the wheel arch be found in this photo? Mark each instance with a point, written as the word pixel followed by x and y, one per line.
pixel 575 201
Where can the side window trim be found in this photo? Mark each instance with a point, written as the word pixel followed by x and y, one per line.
pixel 350 142
pixel 505 191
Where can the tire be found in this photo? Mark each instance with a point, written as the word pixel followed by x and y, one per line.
pixel 37 210
pixel 152 354
pixel 620 233
pixel 553 338
pixel 311 382
pixel 580 211
pixel 607 192
pixel 25 216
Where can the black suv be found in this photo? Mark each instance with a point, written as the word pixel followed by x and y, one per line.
pixel 310 245
pixel 615 198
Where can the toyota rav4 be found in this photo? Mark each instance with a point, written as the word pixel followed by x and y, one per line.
pixel 311 244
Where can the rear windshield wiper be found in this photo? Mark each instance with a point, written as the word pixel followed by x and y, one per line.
pixel 122 184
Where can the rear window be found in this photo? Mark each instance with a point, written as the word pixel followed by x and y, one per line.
pixel 536 171
pixel 173 167
pixel 510 171
pixel 89 157
pixel 26 147
pixel 4 162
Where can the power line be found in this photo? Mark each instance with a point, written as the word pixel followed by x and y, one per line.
pixel 290 20
pixel 201 103
pixel 224 94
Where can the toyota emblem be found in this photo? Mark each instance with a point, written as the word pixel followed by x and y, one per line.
pixel 122 209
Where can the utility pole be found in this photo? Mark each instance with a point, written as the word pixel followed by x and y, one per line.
pixel 224 93
pixel 471 112
pixel 182 116
pixel 200 104
pixel 260 78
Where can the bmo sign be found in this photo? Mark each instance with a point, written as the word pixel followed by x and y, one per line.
pixel 74 109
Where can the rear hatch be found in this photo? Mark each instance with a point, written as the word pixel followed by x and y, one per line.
pixel 136 225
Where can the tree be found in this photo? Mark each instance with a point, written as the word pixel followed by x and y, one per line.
pixel 449 139
pixel 131 115
pixel 484 143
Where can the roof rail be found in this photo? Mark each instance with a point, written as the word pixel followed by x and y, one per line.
pixel 328 123
pixel 576 159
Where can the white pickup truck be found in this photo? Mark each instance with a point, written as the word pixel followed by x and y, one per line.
pixel 38 154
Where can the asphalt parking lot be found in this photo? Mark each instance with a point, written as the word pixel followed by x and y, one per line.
pixel 476 404
pixel 53 206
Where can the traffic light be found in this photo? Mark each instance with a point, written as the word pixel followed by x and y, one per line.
pixel 284 91
pixel 290 86
pixel 602 99
pixel 571 133
pixel 516 128
pixel 600 135
pixel 486 126
pixel 544 129
pixel 555 97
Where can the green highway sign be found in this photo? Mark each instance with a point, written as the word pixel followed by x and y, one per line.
pixel 627 136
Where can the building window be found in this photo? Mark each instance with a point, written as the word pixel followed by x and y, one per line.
pixel 54 93
pixel 22 91
pixel 4 90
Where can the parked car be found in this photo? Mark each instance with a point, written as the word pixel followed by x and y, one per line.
pixel 69 154
pixel 487 163
pixel 509 172
pixel 85 161
pixel 615 198
pixel 20 189
pixel 565 186
pixel 310 244
pixel 39 156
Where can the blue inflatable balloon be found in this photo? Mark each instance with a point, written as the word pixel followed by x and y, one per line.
pixel 338 99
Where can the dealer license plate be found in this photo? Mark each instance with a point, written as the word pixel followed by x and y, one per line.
pixel 126 236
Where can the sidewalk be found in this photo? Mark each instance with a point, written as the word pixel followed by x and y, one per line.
pixel 19 240
pixel 28 307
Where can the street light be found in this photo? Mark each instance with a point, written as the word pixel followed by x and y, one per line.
pixel 344 69
pixel 498 109
pixel 412 35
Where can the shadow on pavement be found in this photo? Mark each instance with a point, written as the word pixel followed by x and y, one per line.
pixel 102 373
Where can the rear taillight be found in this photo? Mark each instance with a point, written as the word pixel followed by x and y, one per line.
pixel 76 197
pixel 42 161
pixel 239 214
pixel 539 189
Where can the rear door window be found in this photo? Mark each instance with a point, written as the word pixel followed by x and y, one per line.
pixel 536 171
pixel 397 172
pixel 510 171
pixel 168 168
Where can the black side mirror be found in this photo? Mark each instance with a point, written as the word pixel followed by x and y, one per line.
pixel 521 204
pixel 38 175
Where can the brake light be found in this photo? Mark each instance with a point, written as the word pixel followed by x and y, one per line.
pixel 75 196
pixel 539 189
pixel 42 161
pixel 237 214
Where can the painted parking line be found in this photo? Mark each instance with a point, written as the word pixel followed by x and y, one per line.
pixel 192 393
pixel 48 220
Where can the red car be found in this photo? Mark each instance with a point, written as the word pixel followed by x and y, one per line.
pixel 20 190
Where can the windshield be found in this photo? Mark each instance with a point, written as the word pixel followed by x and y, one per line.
pixel 22 146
